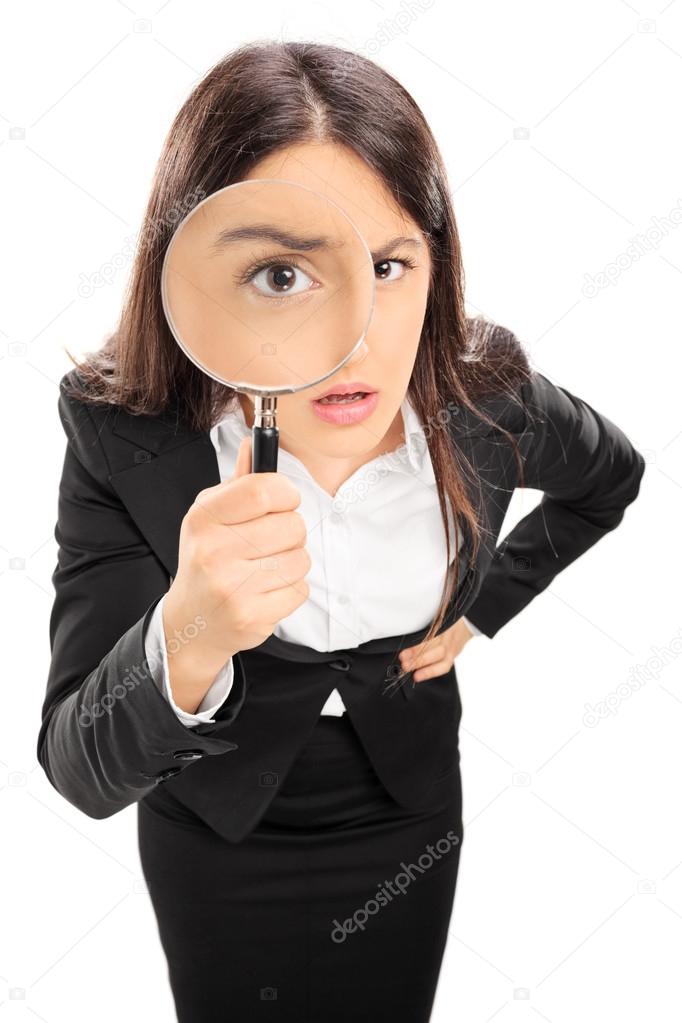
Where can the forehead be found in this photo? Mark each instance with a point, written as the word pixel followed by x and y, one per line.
pixel 342 176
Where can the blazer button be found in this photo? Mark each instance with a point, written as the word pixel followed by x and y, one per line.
pixel 392 671
pixel 187 754
pixel 170 772
pixel 340 664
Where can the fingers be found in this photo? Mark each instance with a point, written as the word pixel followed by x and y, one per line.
pixel 266 537
pixel 246 497
pixel 433 671
pixel 419 656
pixel 425 662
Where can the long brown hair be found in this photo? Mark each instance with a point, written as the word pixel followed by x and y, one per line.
pixel 257 99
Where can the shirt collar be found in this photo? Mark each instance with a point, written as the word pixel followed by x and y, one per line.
pixel 410 457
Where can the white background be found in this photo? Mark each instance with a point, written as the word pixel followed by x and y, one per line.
pixel 559 124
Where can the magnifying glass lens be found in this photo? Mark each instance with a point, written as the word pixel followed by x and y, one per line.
pixel 268 287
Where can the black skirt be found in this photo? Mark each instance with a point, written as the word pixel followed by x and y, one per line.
pixel 334 909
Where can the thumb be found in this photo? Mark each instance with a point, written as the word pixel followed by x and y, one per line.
pixel 243 463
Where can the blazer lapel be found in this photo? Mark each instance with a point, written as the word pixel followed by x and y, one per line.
pixel 164 466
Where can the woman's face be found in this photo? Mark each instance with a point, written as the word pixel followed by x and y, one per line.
pixel 384 363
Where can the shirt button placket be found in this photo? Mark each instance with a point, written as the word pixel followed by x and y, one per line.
pixel 340 561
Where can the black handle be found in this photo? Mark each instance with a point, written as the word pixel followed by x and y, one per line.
pixel 265 444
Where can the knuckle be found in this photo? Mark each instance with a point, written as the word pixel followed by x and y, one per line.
pixel 259 500
pixel 193 518
pixel 292 491
pixel 302 529
pixel 199 555
pixel 202 500
pixel 295 530
pixel 301 559
pixel 197 517
pixel 204 557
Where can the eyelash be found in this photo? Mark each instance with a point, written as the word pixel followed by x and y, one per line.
pixel 250 273
pixel 406 261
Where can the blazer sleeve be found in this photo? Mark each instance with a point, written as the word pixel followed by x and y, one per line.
pixel 589 473
pixel 108 736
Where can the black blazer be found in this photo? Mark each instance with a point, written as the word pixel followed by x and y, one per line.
pixel 108 736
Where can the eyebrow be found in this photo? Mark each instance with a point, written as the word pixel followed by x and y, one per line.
pixel 265 232
pixel 393 244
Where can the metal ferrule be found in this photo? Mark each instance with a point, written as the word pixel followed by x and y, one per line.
pixel 265 410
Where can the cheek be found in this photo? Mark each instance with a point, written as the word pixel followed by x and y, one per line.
pixel 294 416
pixel 397 323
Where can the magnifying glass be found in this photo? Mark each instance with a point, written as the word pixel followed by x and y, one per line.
pixel 268 287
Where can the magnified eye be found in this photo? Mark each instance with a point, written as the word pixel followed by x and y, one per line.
pixel 281 279
pixel 383 269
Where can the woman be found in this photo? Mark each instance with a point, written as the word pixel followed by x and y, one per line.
pixel 314 867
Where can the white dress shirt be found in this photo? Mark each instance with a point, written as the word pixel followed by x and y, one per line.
pixel 377 550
